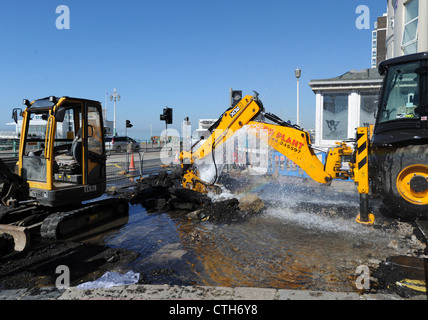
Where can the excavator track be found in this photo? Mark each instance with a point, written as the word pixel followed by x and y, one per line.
pixel 66 224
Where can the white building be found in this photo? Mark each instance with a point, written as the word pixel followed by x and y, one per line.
pixel 344 103
pixel 407 27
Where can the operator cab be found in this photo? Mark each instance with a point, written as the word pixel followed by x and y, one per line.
pixel 62 149
pixel 403 107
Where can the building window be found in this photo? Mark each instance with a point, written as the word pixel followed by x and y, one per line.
pixel 369 103
pixel 410 34
pixel 335 116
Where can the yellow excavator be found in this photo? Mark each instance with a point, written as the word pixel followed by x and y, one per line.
pixel 390 160
pixel 61 166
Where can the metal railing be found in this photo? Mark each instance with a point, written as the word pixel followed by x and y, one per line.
pixel 8 147
pixel 123 165
pixel 129 164
pixel 119 165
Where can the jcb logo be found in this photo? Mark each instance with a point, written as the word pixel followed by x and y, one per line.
pixel 234 111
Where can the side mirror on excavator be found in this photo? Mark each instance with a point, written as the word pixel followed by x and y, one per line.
pixel 15 114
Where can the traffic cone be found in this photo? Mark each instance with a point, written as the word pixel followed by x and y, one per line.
pixel 176 160
pixel 132 164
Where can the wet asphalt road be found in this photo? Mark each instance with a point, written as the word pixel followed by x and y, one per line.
pixel 305 239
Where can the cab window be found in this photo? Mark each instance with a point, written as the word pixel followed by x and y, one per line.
pixel 402 93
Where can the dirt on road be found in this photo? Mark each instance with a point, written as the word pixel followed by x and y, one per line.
pixel 37 267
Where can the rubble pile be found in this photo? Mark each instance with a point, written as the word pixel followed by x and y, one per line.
pixel 404 275
pixel 225 210
pixel 164 192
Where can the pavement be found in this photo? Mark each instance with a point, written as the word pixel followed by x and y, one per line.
pixel 168 292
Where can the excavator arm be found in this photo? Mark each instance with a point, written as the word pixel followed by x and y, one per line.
pixel 295 144
pixel 229 122
pixel 291 141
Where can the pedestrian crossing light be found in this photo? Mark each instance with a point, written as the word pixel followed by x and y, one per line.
pixel 128 124
pixel 167 115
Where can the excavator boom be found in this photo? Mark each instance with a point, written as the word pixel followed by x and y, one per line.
pixel 291 141
pixel 229 122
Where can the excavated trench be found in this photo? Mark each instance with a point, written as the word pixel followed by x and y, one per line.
pixel 273 232
pixel 278 232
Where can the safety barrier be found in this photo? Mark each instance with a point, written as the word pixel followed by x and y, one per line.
pixel 281 165
pixel 121 165
pixel 137 163
pixel 278 163
pixel 9 147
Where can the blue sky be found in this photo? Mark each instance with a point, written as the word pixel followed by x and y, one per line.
pixel 181 54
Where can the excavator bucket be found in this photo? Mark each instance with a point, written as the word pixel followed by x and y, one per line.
pixel 21 236
pixel 23 230
pixel 13 188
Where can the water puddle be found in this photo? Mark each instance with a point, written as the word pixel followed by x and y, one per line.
pixel 299 242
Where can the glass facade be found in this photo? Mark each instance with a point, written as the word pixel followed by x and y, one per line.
pixel 335 116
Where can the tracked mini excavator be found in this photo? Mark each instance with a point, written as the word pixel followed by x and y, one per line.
pixel 390 161
pixel 61 167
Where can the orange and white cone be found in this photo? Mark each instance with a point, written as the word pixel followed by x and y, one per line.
pixel 132 164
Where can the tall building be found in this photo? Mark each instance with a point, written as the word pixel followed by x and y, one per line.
pixel 350 100
pixel 379 41
pixel 407 27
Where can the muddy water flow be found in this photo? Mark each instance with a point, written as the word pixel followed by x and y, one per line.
pixel 306 238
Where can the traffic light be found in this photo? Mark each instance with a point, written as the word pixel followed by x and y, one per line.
pixel 128 124
pixel 236 96
pixel 167 115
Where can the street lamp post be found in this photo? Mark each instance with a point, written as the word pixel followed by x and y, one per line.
pixel 298 73
pixel 114 97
